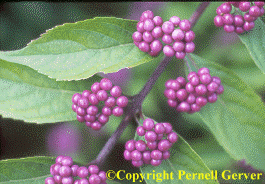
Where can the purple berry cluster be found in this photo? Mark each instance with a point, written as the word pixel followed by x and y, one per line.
pixel 65 172
pixel 150 29
pixel 191 96
pixel 159 139
pixel 236 22
pixel 86 104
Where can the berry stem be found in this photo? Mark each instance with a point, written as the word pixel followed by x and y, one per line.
pixel 198 12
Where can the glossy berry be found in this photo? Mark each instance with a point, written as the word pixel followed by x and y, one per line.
pixel 117 111
pixel 254 11
pixel 150 136
pixel 248 26
pixel 147 37
pixel 189 47
pixel 244 6
pixel 49 180
pixel 157 32
pixel 225 8
pixel 149 25
pixel 184 25
pixel 95 87
pixel 158 21
pixel 136 155
pixel 140 145
pixel 179 46
pixel 189 36
pixel 76 98
pixel 167 39
pixel 159 128
pixel 168 27
pixel 93 169
pixel 82 172
pixel 148 124
pixel 180 55
pixel 156 46
pixel 144 46
pixel 137 36
pixel 129 145
pixel 94 179
pixel 140 131
pixel 164 145
pixel 183 107
pixel 178 35
pixel 110 102
pixel 168 51
pixel 96 125
pixel 156 154
pixel 74 169
pixel 175 20
pixel 140 27
pixel 218 21
pixel 228 19
pixel 67 180
pixel 147 15
pixel 238 20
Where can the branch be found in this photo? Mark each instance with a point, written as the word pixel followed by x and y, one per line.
pixel 197 14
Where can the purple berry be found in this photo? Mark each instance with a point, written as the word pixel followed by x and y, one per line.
pixel 146 155
pixel 185 25
pixel 144 46
pixel 156 46
pixel 93 99
pixel 159 137
pixel 195 108
pixel 156 154
pixel 168 127
pixel 175 85
pixel 191 74
pixel 148 124
pixel 92 110
pixel 95 87
pixel 175 20
pixel 239 30
pixel 219 11
pixel 137 36
pixel 238 20
pixel 228 19
pixel 167 39
pixel 217 80
pixel 220 90
pixel 226 8
pixel 90 118
pixel 122 101
pixel 170 94
pixel 82 172
pixel 80 111
pixel 244 6
pixel 147 15
pixel 110 102
pixel 155 162
pixel 178 46
pixel 82 181
pixel 102 176
pixel 150 136
pixel 96 125
pixel 249 18
pixel 130 145
pixel 182 81
pixel 76 98
pixel 93 169
pixel 67 180
pixel 168 27
pixel 254 11
pixel 212 87
pixel 201 89
pixel 180 55
pixel 189 36
pixel 88 124
pixel 229 28
pixel 218 21
pixel 153 53
pixel 147 37
pixel 178 35
pixel 140 27
pixel 103 119
pixel 157 32
pixel 74 107
pixel 67 161
pixel 248 26
pixel 80 118
pixel 168 51
pixel 152 145
pixel 205 78
pixel 191 99
pixel 149 25
pixel 194 80
pixel 65 171
pixel 140 131
pixel 189 48
pixel 172 103
pixel 212 98
pixel 189 87
pixel 127 155
pixel 136 43
pixel 59 159
pixel 49 180
pixel 261 12
pixel 117 111
pixel 164 145
pixel 172 137
pixel 181 94
pixel 55 168
pixel 138 163
pixel 159 128
pixel 94 179
pixel 102 95
pixel 57 178
pixel 158 21
pixel 203 71
pixel 106 111
pixel 136 155
pixel 259 4
pixel 140 145
pixel 74 169
pixel 201 101
pixel 183 107
pixel 166 155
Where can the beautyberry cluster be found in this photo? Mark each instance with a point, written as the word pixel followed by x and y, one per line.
pixel 65 172
pixel 159 139
pixel 236 22
pixel 86 104
pixel 191 96
pixel 151 29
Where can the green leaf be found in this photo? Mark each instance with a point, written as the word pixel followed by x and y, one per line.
pixel 182 159
pixel 75 51
pixel 255 42
pixel 30 96
pixel 237 118
pixel 25 170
